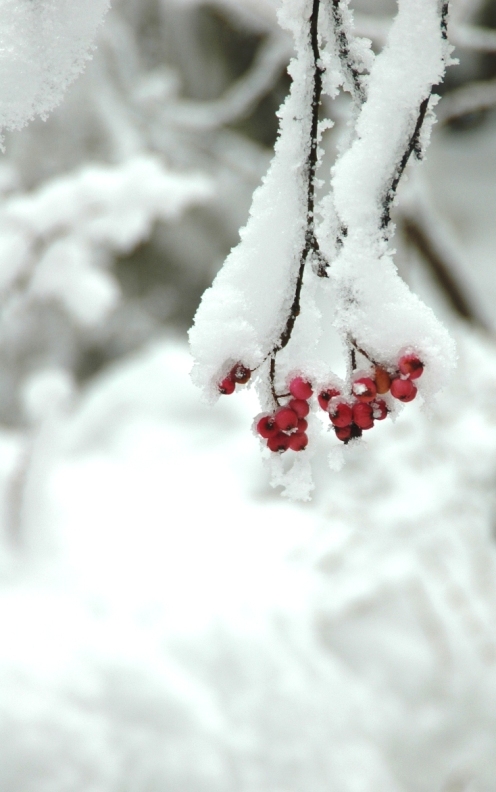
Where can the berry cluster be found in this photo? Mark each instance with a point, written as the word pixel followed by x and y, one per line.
pixel 286 427
pixel 239 375
pixel 350 417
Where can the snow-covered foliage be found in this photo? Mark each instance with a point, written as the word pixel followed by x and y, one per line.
pixel 44 45
pixel 261 310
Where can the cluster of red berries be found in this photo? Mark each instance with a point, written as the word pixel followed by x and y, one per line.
pixel 239 375
pixel 351 417
pixel 286 428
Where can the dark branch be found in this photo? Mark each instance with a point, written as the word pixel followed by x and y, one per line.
pixel 311 244
pixel 344 52
pixel 413 145
pixel 455 292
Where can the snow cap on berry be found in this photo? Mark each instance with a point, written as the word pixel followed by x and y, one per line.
pixel 240 373
pixel 364 389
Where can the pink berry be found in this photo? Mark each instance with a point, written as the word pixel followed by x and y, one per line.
pixel 364 389
pixel 302 425
pixel 343 432
pixel 240 373
pixel 279 442
pixel 298 441
pixel 300 407
pixel 286 419
pixel 341 414
pixel 379 409
pixel 403 389
pixel 227 386
pixel 411 365
pixel 300 388
pixel 266 427
pixel 362 415
pixel 325 397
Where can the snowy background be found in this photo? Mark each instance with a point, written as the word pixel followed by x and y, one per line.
pixel 168 622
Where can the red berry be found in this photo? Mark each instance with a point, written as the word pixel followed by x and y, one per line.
pixel 379 409
pixel 343 432
pixel 227 386
pixel 411 365
pixel 300 388
pixel 403 389
pixel 286 419
pixel 302 425
pixel 279 442
pixel 325 397
pixel 300 407
pixel 298 441
pixel 239 373
pixel 362 415
pixel 341 414
pixel 382 380
pixel 266 427
pixel 364 389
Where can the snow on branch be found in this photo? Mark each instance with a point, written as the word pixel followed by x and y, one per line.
pixel 260 319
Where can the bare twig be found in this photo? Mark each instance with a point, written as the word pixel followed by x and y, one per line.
pixel 417 234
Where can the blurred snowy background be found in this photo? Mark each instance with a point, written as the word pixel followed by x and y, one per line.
pixel 168 623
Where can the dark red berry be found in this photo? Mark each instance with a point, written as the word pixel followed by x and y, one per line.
pixel 300 407
pixel 379 409
pixel 362 415
pixel 286 419
pixel 266 427
pixel 325 397
pixel 364 389
pixel 239 373
pixel 382 380
pixel 302 425
pixel 411 365
pixel 343 432
pixel 279 442
pixel 300 388
pixel 403 389
pixel 298 441
pixel 341 414
pixel 227 386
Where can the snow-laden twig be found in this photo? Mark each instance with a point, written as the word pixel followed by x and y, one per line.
pixel 261 308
